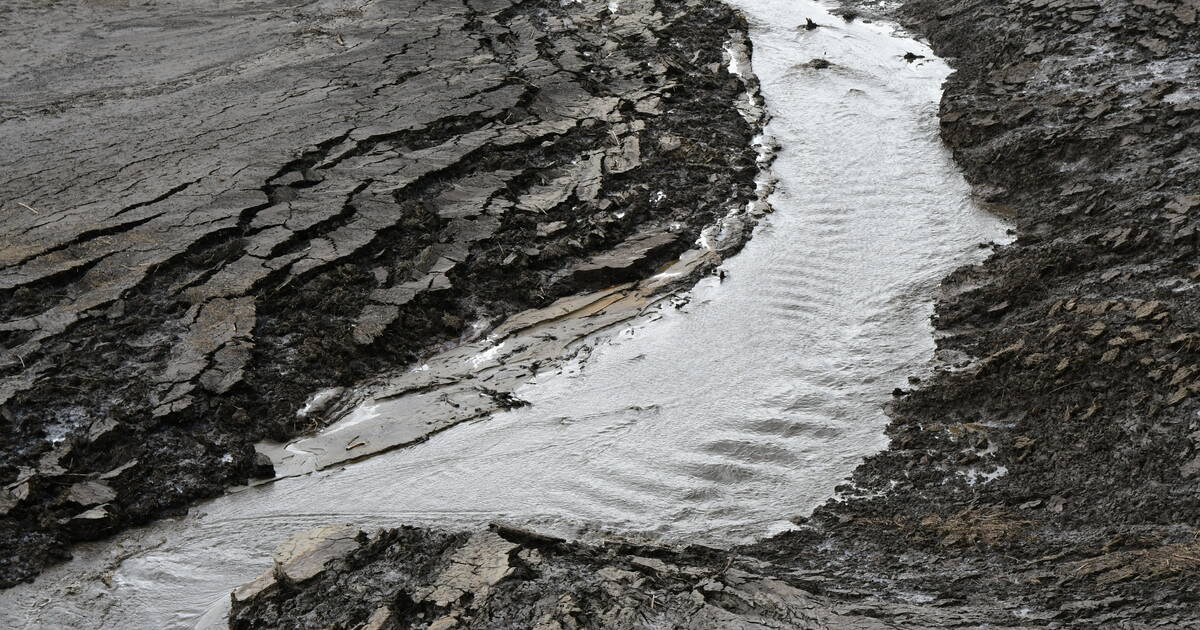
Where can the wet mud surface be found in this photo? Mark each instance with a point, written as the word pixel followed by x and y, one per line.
pixel 1044 476
pixel 212 213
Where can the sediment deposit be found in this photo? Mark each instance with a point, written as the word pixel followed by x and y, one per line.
pixel 211 213
pixel 339 190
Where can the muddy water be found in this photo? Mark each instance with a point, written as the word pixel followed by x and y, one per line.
pixel 712 422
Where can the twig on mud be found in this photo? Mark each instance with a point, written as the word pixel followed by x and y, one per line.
pixel 28 207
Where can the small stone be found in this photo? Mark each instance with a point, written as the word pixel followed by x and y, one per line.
pixel 306 554
pixel 624 158
pixel 1147 309
pixel 553 227
pixel 264 468
pixel 477 566
pixel 251 589
pixel 119 470
pixel 102 429
pixel 90 493
pixel 523 535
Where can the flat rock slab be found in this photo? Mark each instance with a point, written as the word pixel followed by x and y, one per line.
pixel 626 258
pixel 302 557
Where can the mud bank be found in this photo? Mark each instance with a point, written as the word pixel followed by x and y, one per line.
pixel 1045 476
pixel 212 213
pixel 1054 477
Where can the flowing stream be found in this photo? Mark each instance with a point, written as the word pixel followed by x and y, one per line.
pixel 714 422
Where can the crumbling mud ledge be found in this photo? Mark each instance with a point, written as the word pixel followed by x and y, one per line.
pixel 211 213
pixel 1048 475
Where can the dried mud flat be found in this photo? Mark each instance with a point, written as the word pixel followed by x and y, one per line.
pixel 211 213
pixel 1045 476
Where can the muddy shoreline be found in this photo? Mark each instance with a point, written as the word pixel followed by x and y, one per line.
pixel 330 192
pixel 1045 476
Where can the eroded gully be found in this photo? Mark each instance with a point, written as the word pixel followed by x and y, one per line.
pixel 714 418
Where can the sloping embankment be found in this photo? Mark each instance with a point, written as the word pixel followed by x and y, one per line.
pixel 211 213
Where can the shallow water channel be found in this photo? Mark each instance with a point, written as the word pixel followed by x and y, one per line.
pixel 714 422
